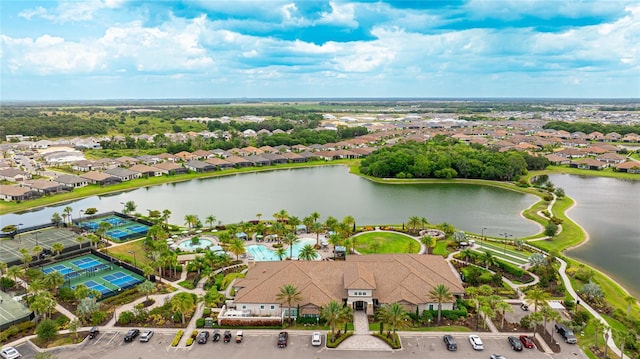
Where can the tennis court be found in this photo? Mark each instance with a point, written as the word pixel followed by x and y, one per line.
pixel 44 237
pixel 120 230
pixel 95 273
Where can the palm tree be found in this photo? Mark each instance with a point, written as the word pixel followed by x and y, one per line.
pixel 395 315
pixel 503 307
pixel 548 313
pixel 81 239
pixel 57 247
pixel 467 253
pixel 331 223
pixel 3 269
pixel 317 228
pixel 93 239
pixel 157 233
pixel 258 216
pixel 289 293
pixel 440 294
pixel 334 313
pixel 237 247
pixel 103 228
pixel 351 222
pixel 537 296
pixel 182 303
pixel 294 222
pixel 428 242
pixel 535 319
pixel 36 250
pixel 281 216
pixel 598 328
pixel 624 336
pixel 129 207
pixel 315 216
pixel 165 217
pixel 53 280
pixel 190 220
pixel 145 288
pixel 68 211
pixel 281 252
pixel 307 253
pixel 56 219
pixel 211 219
pixel 424 222
pixel 413 223
pixel 14 272
pixel 290 239
pixel 43 303
pixel 26 257
pixel 489 259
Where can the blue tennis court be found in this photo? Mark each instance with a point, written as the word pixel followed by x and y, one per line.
pixel 84 263
pixel 120 279
pixel 57 268
pixel 96 286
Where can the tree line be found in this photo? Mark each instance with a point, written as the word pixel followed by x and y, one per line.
pixel 447 158
pixel 588 127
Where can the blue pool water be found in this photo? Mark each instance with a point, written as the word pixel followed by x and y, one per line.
pixel 261 253
pixel 188 246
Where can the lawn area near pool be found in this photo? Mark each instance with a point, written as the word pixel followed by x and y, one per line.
pixel 386 242
pixel 122 252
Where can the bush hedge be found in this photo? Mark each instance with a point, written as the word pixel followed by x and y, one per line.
pixel 338 340
pixel 177 338
pixel 200 323
pixel 511 269
pixel 21 329
pixel 389 340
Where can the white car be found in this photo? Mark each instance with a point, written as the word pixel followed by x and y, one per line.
pixel 9 353
pixel 316 339
pixel 476 342
pixel 146 336
pixel 498 356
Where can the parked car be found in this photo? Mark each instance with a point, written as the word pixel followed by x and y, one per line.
pixel 10 353
pixel 566 333
pixel 93 332
pixel 476 342
pixel 527 342
pixel 227 336
pixel 131 335
pixel 515 343
pixel 282 339
pixel 216 335
pixel 498 356
pixel 316 339
pixel 202 337
pixel 450 342
pixel 146 336
pixel 239 336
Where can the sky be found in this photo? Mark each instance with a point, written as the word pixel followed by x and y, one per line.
pixel 120 49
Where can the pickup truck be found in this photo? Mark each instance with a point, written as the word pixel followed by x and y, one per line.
pixel 566 333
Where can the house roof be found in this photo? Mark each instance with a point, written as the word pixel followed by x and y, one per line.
pixel 69 179
pixel 13 191
pixel 96 176
pixel 392 277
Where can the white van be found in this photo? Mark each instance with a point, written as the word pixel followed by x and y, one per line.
pixel 146 336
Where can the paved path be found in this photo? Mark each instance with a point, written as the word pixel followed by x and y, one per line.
pixel 191 326
pixel 362 338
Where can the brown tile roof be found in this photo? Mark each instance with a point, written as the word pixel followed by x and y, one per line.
pixel 393 278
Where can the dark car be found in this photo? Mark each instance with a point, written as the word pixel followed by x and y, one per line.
pixel 131 335
pixel 282 339
pixel 202 337
pixel 93 332
pixel 216 335
pixel 450 342
pixel 515 343
pixel 566 333
pixel 527 342
pixel 227 336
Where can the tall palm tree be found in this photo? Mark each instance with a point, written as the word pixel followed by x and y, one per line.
pixel 598 329
pixel 413 223
pixel 424 222
pixel 537 296
pixel 57 247
pixel 103 228
pixel 182 303
pixel 81 239
pixel 36 250
pixel 56 219
pixel 428 242
pixel 315 216
pixel 281 216
pixel 93 239
pixel 165 217
pixel 290 239
pixel 68 211
pixel 26 257
pixel 294 222
pixel 237 247
pixel 43 303
pixel 14 272
pixel 467 253
pixel 548 313
pixel 331 223
pixel 440 294
pixel 317 228
pixel 129 207
pixel 307 253
pixel 489 259
pixel 334 314
pixel 281 252
pixel 629 300
pixel 53 280
pixel 289 294
pixel 211 219
pixel 503 307
pixel 350 222
pixel 308 222
pixel 190 220
pixel 395 315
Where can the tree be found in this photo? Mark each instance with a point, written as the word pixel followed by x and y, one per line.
pixel 551 229
pixel 307 253
pixel 53 280
pixel 395 315
pixel 42 304
pixel 190 220
pixel 535 319
pixel 46 355
pixel 91 211
pixel 629 300
pixel 47 330
pixel 94 239
pixel 182 303
pixel 317 228
pixel 56 219
pixel 548 313
pixel 73 328
pixel 57 247
pixel 537 259
pixel 414 223
pixel 440 293
pixel 87 306
pixel 165 217
pixel 36 250
pixel 103 228
pixel 315 216
pixel 281 216
pixel 211 219
pixel 489 259
pixel 12 229
pixel 68 210
pixel 537 296
pixel 14 272
pixel 145 288
pixel 428 242
pixel 290 239
pixel 350 222
pixel 129 207
pixel 624 336
pixel 289 294
pixel 281 252
pixel 503 307
pixel 335 314
pixel 26 257
pixel 237 247
pixel 598 330
pixel 81 239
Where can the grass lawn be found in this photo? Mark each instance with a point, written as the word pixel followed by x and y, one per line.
pixel 387 242
pixel 441 248
pixel 122 252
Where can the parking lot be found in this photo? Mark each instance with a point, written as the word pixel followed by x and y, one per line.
pixel 262 344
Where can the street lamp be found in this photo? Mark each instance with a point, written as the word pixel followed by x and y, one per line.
pixel 80 212
pixel 482 237
pixel 19 238
pixel 606 340
pixel 505 241
pixel 36 238
pixel 135 264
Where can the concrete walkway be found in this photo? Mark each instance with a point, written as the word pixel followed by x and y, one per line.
pixel 362 338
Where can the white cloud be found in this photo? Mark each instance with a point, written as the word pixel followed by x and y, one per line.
pixel 341 14
pixel 71 11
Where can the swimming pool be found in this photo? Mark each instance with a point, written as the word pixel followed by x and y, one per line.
pixel 190 247
pixel 261 253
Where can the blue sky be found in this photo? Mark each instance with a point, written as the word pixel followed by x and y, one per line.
pixel 118 49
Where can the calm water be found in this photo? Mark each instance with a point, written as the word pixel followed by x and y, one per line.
pixel 609 210
pixel 331 191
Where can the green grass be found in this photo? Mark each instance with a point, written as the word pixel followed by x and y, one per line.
pixel 607 172
pixel 441 248
pixel 500 249
pixel 122 252
pixel 388 242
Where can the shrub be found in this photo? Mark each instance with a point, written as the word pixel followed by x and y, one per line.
pixel 126 317
pixel 511 269
pixel 177 338
pixel 186 284
pixel 61 321
pixel 16 330
pixel 47 330
pixel 189 341
pixel 338 340
pixel 389 340
pixel 200 323
pixel 452 315
pixel 98 317
pixel 66 294
pixel 6 282
pixel 206 312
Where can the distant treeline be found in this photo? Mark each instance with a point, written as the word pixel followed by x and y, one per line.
pixel 588 127
pixel 447 158
pixel 42 125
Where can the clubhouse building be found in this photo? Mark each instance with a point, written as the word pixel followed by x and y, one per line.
pixel 363 282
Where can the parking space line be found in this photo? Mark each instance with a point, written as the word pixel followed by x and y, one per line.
pixel 112 338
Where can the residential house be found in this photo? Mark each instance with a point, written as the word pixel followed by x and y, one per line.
pixel 219 163
pixel 72 181
pixel 238 161
pixel 43 186
pixel 629 167
pixel 122 173
pixel 101 178
pixel 275 158
pixel 611 158
pixel 258 161
pixel 15 193
pixel 14 175
pixel 170 168
pixel 199 166
pixel 588 164
pixel 146 171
